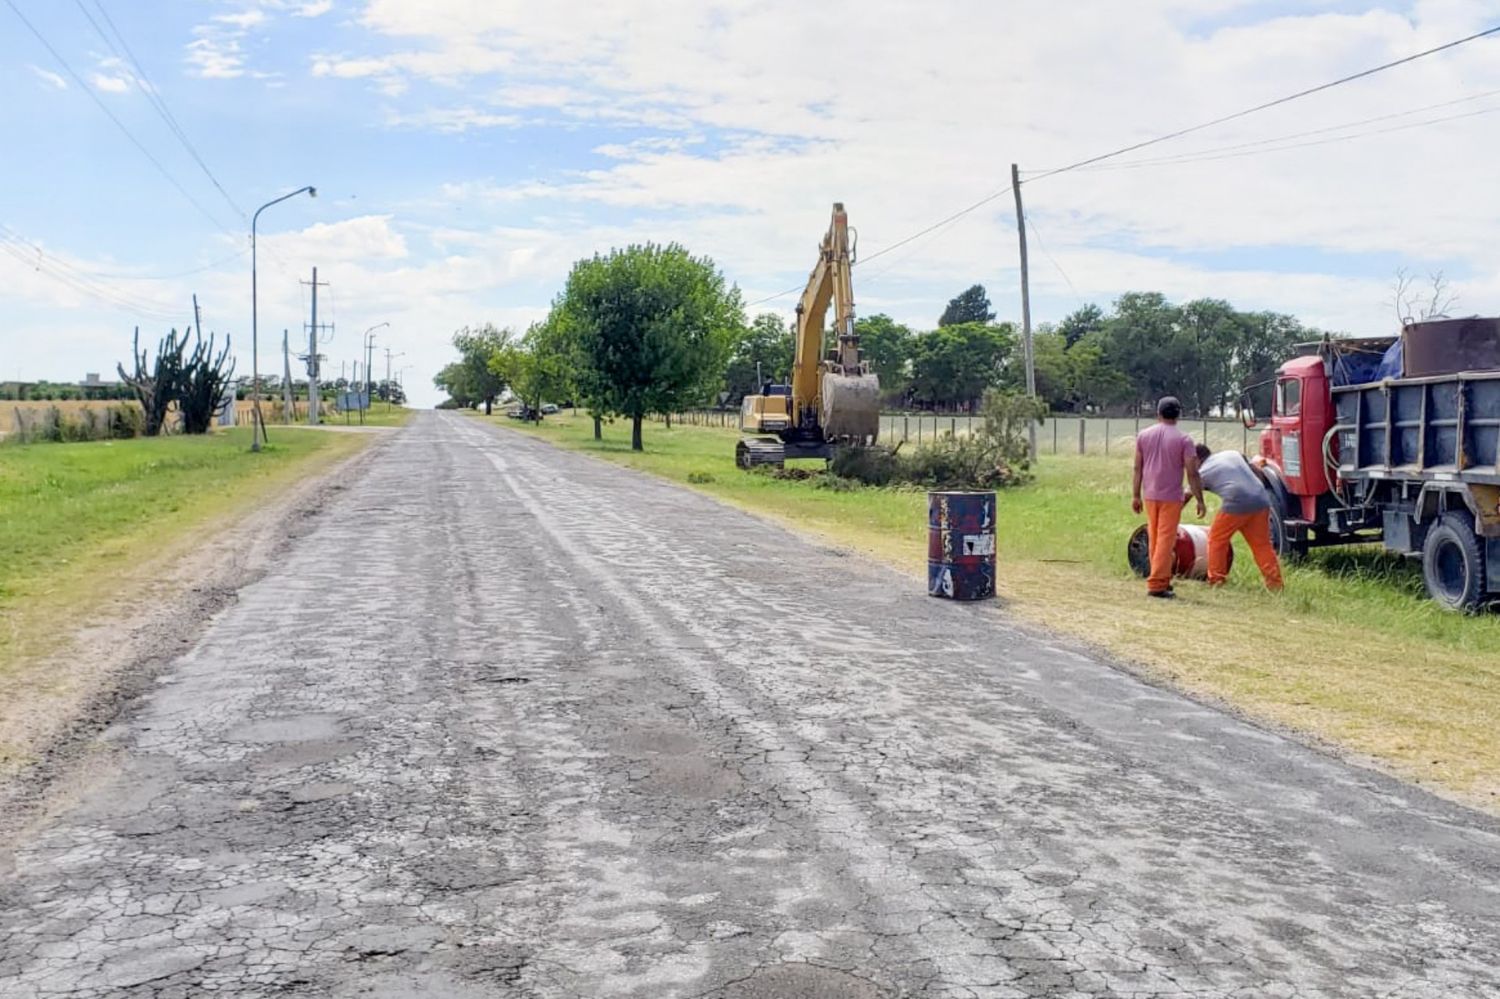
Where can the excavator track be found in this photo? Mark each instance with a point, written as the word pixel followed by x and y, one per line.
pixel 752 451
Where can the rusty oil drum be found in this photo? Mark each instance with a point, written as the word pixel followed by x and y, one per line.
pixel 961 545
pixel 1191 556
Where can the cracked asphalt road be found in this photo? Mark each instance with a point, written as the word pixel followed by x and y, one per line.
pixel 509 721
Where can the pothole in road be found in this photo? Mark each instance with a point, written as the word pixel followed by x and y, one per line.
pixel 783 981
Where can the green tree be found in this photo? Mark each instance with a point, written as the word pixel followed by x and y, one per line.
pixel 1141 343
pixel 538 368
pixel 452 379
pixel 1080 323
pixel 766 349
pixel 477 348
pixel 654 327
pixel 970 306
pixel 953 365
pixel 887 345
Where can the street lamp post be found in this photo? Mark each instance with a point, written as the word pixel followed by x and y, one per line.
pixel 388 356
pixel 369 346
pixel 257 422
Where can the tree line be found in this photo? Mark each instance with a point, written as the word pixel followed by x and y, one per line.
pixel 652 329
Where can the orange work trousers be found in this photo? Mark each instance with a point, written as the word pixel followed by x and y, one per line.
pixel 1256 529
pixel 1162 518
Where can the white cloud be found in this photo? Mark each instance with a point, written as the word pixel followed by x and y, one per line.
pixel 454 119
pixel 111 84
pixel 215 58
pixel 315 9
pixel 50 78
pixel 243 20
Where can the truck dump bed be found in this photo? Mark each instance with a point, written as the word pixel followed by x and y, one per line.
pixel 1444 427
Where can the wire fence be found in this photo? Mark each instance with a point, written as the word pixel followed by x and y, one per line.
pixel 1090 435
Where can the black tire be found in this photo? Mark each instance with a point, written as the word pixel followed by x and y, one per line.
pixel 1453 563
pixel 742 455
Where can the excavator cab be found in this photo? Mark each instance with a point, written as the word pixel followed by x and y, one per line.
pixel 770 412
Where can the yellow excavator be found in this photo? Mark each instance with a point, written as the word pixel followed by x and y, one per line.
pixel 833 399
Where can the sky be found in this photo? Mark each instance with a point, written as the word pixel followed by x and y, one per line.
pixel 467 152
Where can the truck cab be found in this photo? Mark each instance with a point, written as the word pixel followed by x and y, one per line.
pixel 1301 417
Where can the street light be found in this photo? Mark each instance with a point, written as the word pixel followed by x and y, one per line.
pixel 388 356
pixel 369 348
pixel 257 423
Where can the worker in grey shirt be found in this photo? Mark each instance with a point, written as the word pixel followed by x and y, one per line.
pixel 1244 508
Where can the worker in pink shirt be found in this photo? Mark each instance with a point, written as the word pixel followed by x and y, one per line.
pixel 1162 455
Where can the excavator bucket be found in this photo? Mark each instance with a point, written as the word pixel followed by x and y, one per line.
pixel 849 407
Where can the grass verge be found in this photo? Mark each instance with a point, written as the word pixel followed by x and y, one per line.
pixel 1350 655
pixel 83 526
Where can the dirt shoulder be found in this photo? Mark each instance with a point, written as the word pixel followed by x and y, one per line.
pixel 110 650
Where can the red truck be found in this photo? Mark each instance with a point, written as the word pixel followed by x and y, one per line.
pixel 1393 440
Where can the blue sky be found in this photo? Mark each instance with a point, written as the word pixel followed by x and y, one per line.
pixel 467 151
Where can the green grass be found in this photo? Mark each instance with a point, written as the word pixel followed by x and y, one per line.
pixel 75 518
pixel 1350 654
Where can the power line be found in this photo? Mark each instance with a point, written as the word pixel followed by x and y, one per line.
pixel 1272 144
pixel 1048 254
pixel 154 96
pixel 1187 131
pixel 60 271
pixel 1271 104
pixel 118 123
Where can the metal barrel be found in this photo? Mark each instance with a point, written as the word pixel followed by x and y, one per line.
pixel 961 545
pixel 1191 557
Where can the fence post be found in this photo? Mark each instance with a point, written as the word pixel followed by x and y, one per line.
pixel 1054 435
pixel 905 427
pixel 1082 429
pixel 1106 437
pixel 1244 438
pixel 1205 430
pixel 953 426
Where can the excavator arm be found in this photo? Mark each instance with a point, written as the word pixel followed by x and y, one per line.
pixel 832 389
pixel 833 399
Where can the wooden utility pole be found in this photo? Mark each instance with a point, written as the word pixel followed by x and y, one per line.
pixel 288 400
pixel 1015 186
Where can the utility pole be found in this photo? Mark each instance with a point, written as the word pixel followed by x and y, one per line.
pixel 312 354
pixel 1015 185
pixel 288 400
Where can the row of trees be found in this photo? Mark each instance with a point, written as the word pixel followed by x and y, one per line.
pixel 652 329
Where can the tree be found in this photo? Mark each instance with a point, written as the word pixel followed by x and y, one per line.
pixel 205 382
pixel 1140 343
pixel 477 348
pixel 538 368
pixel 764 353
pixel 971 306
pixel 454 379
pixel 1080 323
pixel 156 386
pixel 953 365
pixel 887 345
pixel 654 327
pixel 1413 304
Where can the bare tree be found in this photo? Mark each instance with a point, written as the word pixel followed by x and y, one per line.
pixel 1414 301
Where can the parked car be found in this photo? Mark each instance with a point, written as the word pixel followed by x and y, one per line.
pixel 548 408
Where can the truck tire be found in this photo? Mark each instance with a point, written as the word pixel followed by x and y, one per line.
pixel 1453 563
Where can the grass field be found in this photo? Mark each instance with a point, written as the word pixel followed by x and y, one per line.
pixel 1350 654
pixel 78 521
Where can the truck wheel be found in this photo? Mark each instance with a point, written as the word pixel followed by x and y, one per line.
pixel 1453 563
